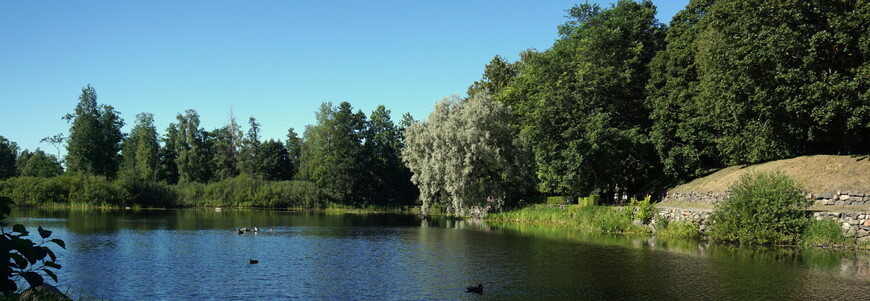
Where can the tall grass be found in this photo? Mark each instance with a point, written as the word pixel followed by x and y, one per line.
pixel 592 218
pixel 824 233
pixel 677 229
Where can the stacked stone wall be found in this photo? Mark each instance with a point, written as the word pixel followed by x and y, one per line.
pixel 838 198
pixel 853 224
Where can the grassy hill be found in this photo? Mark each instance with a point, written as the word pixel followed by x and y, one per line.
pixel 815 174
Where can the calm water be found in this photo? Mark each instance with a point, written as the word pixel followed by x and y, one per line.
pixel 193 255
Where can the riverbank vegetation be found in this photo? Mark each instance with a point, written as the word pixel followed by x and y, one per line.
pixel 763 208
pixel 621 106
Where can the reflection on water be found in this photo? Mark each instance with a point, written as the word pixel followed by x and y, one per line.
pixel 195 254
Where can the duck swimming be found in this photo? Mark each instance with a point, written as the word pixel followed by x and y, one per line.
pixel 475 289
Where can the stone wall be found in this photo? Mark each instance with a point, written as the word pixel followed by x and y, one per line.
pixel 839 198
pixel 697 197
pixel 853 224
pixel 698 216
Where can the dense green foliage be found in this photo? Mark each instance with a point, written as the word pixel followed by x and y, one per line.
pixel 751 81
pixel 247 191
pixel 24 258
pixel 37 164
pixel 94 136
pixel 824 233
pixel 763 208
pixel 464 156
pixel 354 159
pixel 583 102
pixel 140 149
pixel 8 155
pixel 78 190
pixel 622 105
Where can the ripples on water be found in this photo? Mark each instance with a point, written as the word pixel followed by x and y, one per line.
pixel 195 254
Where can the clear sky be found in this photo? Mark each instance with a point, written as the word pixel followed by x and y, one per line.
pixel 274 60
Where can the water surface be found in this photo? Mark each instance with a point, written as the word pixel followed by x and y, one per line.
pixel 195 254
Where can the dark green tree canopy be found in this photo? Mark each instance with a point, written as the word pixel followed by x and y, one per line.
pixel 582 102
pixel 8 156
pixel 94 137
pixel 38 164
pixel 140 149
pixel 750 81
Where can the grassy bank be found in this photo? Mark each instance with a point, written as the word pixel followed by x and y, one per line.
pixel 586 217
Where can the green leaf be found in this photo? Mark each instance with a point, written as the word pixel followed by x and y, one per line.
pixel 20 262
pixel 51 274
pixel 43 233
pixel 50 253
pixel 8 286
pixel 59 242
pixel 19 228
pixel 52 264
pixel 33 279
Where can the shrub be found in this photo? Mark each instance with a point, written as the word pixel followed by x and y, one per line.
pixel 824 232
pixel 245 191
pixel 641 210
pixel 763 208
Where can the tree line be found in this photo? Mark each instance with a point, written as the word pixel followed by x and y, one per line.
pixel 621 105
pixel 353 159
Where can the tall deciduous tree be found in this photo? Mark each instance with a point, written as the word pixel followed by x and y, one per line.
pixel 586 116
pixel 8 156
pixel 750 81
pixel 331 153
pixel 95 136
pixel 193 159
pixel 274 161
pixel 140 149
pixel 294 151
pixel 251 159
pixel 167 170
pixel 227 144
pixel 464 156
pixel 497 75
pixel 388 180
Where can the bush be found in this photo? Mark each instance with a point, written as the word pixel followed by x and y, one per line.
pixel 641 210
pixel 245 191
pixel 824 233
pixel 763 208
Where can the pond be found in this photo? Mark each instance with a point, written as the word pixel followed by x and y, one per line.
pixel 195 254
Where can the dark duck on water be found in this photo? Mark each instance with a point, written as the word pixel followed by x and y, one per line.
pixel 475 289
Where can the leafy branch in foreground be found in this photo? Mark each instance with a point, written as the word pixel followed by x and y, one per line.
pixel 24 258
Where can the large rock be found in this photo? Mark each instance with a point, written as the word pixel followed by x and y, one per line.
pixel 44 291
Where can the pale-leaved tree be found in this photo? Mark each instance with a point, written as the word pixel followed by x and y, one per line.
pixel 465 158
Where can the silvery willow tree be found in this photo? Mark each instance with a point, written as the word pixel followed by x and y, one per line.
pixel 465 157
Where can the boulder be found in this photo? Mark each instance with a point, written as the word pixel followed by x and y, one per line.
pixel 44 291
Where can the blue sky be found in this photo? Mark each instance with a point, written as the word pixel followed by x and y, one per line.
pixel 274 60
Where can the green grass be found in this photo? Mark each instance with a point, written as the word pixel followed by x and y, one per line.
pixel 592 218
pixel 677 229
pixel 533 213
pixel 824 233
